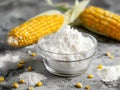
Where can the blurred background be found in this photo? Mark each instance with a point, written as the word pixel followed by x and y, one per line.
pixel 15 12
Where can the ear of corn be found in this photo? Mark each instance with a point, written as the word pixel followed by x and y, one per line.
pixel 46 23
pixel 101 21
pixel 35 28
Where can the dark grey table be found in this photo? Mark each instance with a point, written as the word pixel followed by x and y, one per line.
pixel 14 12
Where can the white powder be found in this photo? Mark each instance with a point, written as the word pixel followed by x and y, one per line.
pixel 109 73
pixel 8 62
pixel 66 41
pixel 31 78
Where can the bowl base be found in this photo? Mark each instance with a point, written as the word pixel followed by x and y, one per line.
pixel 59 73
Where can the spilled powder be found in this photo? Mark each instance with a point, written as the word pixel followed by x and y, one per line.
pixel 8 62
pixel 31 78
pixel 109 73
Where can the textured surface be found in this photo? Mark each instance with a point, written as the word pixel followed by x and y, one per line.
pixel 14 12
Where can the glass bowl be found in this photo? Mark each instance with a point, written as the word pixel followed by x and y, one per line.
pixel 69 67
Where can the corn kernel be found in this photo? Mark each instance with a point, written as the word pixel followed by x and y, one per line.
pixel 110 55
pixel 39 84
pixel 33 54
pixel 31 88
pixel 22 81
pixel 22 62
pixel 29 68
pixel 19 65
pixel 79 85
pixel 88 87
pixel 90 76
pixel 15 85
pixel 2 79
pixel 100 66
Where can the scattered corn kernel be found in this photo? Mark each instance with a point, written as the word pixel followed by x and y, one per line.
pixel 31 88
pixel 2 79
pixel 88 87
pixel 39 84
pixel 29 68
pixel 22 81
pixel 110 55
pixel 90 76
pixel 33 54
pixel 22 62
pixel 79 85
pixel 15 85
pixel 100 66
pixel 19 65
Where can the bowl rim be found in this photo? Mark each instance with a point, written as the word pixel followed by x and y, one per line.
pixel 77 60
pixel 87 35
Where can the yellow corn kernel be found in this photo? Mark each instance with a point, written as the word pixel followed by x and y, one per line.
pixel 88 87
pixel 15 85
pixel 79 85
pixel 31 88
pixel 110 55
pixel 39 84
pixel 21 62
pixel 29 68
pixel 90 76
pixel 33 54
pixel 2 79
pixel 100 67
pixel 32 30
pixel 22 81
pixel 19 65
pixel 103 22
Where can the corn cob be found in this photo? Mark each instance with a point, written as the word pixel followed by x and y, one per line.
pixel 101 21
pixel 43 24
pixel 35 28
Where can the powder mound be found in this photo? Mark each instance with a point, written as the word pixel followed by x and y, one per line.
pixel 8 62
pixel 67 40
pixel 109 73
pixel 31 78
